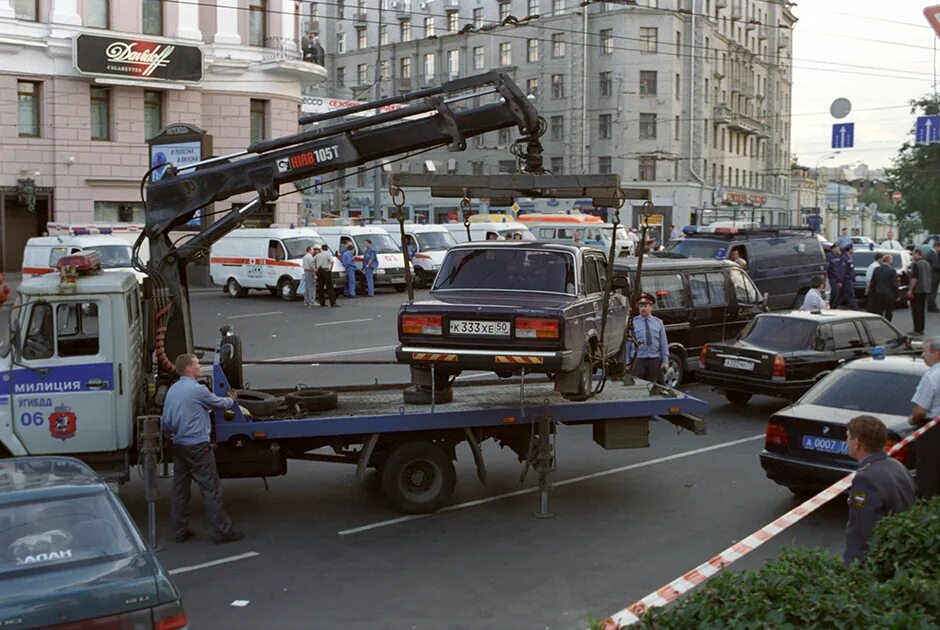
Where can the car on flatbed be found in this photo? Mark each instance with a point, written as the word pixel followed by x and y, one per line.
pixel 785 354
pixel 70 555
pixel 511 306
pixel 805 446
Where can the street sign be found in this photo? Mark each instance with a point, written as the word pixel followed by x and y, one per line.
pixel 927 129
pixel 933 18
pixel 840 108
pixel 843 135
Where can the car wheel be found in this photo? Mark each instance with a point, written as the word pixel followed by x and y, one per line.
pixel 234 289
pixel 677 365
pixel 286 289
pixel 273 291
pixel 585 372
pixel 418 478
pixel 313 399
pixel 420 279
pixel 257 403
pixel 738 399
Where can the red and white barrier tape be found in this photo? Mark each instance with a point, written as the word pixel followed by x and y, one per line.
pixel 699 574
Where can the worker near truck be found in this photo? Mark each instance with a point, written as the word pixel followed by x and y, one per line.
pixel 186 420
pixel 348 258
pixel 652 353
pixel 370 262
pixel 324 267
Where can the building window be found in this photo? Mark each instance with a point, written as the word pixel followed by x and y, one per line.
pixel 507 167
pixel 678 42
pixel 605 126
pixel 533 7
pixel 678 128
pixel 97 14
pixel 558 45
pixel 362 38
pixel 361 72
pixel 647 170
pixel 429 26
pixel 504 138
pixel 558 128
pixel 478 57
pixel 153 113
pixel 361 179
pixel 340 43
pixel 649 39
pixel 341 77
pixel 100 114
pixel 558 86
pixel 532 50
pixel 558 6
pixel 259 111
pixel 406 68
pixel 648 83
pixel 383 34
pixel 385 70
pixel 153 17
pixel 453 63
pixel 505 54
pixel 558 166
pixel 477 17
pixel 607 41
pixel 678 86
pixel 257 22
pixel 532 87
pixel 647 126
pixel 429 70
pixel 603 165
pixel 453 21
pixel 340 9
pixel 606 80
pixel 26 10
pixel 27 108
pixel 405 29
pixel 504 8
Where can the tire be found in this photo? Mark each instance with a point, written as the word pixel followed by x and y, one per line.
pixel 418 478
pixel 286 289
pixel 677 363
pixel 585 379
pixel 400 288
pixel 257 403
pixel 420 279
pixel 313 399
pixel 420 396
pixel 233 289
pixel 738 399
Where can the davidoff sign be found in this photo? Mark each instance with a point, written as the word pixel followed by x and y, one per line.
pixel 137 58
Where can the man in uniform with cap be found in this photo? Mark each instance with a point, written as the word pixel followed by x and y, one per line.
pixel 881 487
pixel 652 353
pixel 835 273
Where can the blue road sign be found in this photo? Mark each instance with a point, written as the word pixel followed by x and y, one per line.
pixel 927 129
pixel 843 135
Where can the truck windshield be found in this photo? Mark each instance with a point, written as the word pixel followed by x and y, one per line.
pixel 696 247
pixel 114 256
pixel 434 241
pixel 783 334
pixel 382 243
pixel 507 269
pixel 509 234
pixel 297 246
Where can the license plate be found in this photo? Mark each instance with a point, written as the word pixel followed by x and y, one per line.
pixel 825 445
pixel 739 364
pixel 489 329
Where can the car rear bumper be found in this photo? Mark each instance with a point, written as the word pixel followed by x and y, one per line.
pixel 790 471
pixel 736 382
pixel 495 360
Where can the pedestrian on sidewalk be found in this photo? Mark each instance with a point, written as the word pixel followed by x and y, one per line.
pixel 835 273
pixel 926 407
pixel 917 292
pixel 324 269
pixel 933 257
pixel 310 276
pixel 883 289
pixel 349 264
pixel 370 262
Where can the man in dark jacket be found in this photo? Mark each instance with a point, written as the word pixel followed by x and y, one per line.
pixel 917 293
pixel 933 257
pixel 883 289
pixel 835 273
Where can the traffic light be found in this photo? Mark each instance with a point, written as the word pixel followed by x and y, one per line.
pixel 345 195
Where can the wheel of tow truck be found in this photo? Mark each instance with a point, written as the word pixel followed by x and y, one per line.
pixel 420 396
pixel 418 477
pixel 234 289
pixel 313 399
pixel 257 403
pixel 677 365
pixel 400 288
pixel 738 399
pixel 585 379
pixel 286 289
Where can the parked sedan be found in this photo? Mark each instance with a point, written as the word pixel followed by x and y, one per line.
pixel 784 354
pixel 70 555
pixel 805 447
pixel 901 264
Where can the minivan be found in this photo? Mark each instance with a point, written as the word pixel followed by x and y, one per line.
pixel 43 252
pixel 561 228
pixel 391 270
pixel 699 301
pixel 431 242
pixel 480 231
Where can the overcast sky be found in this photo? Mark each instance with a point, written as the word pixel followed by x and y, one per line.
pixel 879 54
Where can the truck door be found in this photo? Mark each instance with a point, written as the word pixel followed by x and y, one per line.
pixel 62 394
pixel 276 254
pixel 709 305
pixel 616 325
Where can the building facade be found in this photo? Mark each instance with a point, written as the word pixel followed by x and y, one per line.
pixel 86 84
pixel 689 98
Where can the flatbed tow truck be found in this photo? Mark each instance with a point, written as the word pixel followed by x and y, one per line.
pixel 89 357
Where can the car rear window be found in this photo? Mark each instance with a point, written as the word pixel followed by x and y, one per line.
pixel 49 534
pixel 870 391
pixel 780 333
pixel 507 269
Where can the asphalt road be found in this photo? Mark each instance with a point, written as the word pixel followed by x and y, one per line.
pixel 324 552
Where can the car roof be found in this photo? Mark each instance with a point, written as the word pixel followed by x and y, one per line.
pixel 653 263
pixel 823 316
pixel 899 363
pixel 558 247
pixel 745 235
pixel 25 476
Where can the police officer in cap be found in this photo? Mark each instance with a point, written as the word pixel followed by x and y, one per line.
pixel 652 352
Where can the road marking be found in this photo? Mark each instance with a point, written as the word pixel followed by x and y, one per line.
pixel 255 315
pixel 466 377
pixel 206 565
pixel 348 321
pixel 516 493
pixel 304 357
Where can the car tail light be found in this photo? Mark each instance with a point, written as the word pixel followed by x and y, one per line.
pixel 779 372
pixel 169 617
pixel 533 328
pixel 903 454
pixel 776 435
pixel 422 324
pixel 702 355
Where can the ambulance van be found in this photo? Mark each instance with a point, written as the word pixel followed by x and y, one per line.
pixel 391 271
pixel 431 242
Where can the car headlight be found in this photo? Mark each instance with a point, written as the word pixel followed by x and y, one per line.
pixel 380 272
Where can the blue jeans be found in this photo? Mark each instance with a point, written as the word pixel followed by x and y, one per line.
pixel 351 281
pixel 370 281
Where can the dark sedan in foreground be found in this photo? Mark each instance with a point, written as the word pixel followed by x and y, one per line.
pixel 805 447
pixel 70 555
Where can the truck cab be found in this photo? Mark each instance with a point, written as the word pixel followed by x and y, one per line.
pixel 391 271
pixel 72 378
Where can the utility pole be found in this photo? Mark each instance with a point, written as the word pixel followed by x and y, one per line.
pixel 377 171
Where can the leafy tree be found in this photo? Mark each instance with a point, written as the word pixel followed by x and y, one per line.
pixel 916 174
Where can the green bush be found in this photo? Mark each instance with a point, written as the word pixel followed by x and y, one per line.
pixel 908 542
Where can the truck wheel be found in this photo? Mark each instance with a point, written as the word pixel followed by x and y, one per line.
pixel 738 399
pixel 234 289
pixel 677 363
pixel 286 289
pixel 257 403
pixel 313 399
pixel 400 288
pixel 419 396
pixel 420 279
pixel 418 478
pixel 585 379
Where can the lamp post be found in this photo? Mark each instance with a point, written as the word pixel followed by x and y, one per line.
pixel 828 156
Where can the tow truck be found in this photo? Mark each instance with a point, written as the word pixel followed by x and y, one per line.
pixel 90 355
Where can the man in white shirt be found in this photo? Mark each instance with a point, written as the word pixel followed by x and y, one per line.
pixel 323 262
pixel 871 270
pixel 310 277
pixel 890 243
pixel 813 300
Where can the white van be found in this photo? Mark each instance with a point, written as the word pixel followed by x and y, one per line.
pixel 431 243
pixel 594 234
pixel 43 252
pixel 391 271
pixel 504 231
pixel 265 258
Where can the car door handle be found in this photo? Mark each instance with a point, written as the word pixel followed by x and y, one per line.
pixel 96 383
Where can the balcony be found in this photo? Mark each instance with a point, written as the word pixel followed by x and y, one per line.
pixel 721 4
pixel 361 16
pixel 762 32
pixel 739 122
pixel 312 25
pixel 737 12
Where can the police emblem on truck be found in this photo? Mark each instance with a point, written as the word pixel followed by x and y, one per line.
pixel 63 423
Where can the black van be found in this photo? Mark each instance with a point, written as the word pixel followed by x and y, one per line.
pixel 781 262
pixel 699 301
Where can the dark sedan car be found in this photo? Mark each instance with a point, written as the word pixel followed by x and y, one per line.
pixel 784 354
pixel 805 447
pixel 70 555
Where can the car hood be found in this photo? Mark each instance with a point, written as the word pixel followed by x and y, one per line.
pixel 472 300
pixel 834 416
pixel 78 591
